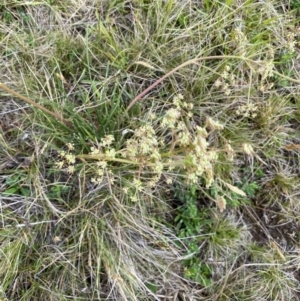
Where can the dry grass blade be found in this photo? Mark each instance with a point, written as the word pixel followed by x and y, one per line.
pixel 36 105
pixel 193 195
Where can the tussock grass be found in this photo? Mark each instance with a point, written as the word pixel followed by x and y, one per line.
pixel 149 150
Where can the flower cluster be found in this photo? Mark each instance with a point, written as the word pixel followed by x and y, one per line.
pixel 226 81
pixel 247 110
pixel 198 159
pixel 229 151
pixel 171 146
pixel 143 148
pixel 103 153
pixel 291 41
pixel 248 149
pixel 67 159
pixel 191 154
pixel 240 41
pixel 266 69
pixel 161 149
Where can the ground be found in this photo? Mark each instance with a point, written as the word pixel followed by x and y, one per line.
pixel 150 150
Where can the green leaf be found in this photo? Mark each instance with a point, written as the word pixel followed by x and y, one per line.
pixel 152 287
pixel 12 180
pixel 25 191
pixel 10 191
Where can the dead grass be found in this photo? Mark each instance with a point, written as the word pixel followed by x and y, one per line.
pixel 80 222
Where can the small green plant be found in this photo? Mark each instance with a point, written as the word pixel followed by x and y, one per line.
pixel 190 222
pixel 235 200
pixel 16 185
pixel 126 100
pixel 59 192
pixel 198 271
pixel 294 4
pixel 197 226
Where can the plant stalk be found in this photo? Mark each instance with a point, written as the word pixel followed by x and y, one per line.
pixel 33 103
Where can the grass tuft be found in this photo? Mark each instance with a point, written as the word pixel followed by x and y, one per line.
pixel 149 150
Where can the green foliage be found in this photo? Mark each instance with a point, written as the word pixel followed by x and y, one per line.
pixel 152 287
pixel 235 200
pixel 295 4
pixel 190 221
pixel 15 13
pixel 16 185
pixel 249 187
pixel 210 4
pixel 193 220
pixel 190 218
pixel 96 219
pixel 58 192
pixel 197 271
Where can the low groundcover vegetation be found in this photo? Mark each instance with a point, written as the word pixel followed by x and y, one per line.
pixel 149 150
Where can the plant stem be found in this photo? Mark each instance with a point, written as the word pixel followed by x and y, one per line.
pixel 33 103
pixel 195 61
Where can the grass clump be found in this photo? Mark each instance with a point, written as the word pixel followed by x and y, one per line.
pixel 149 150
